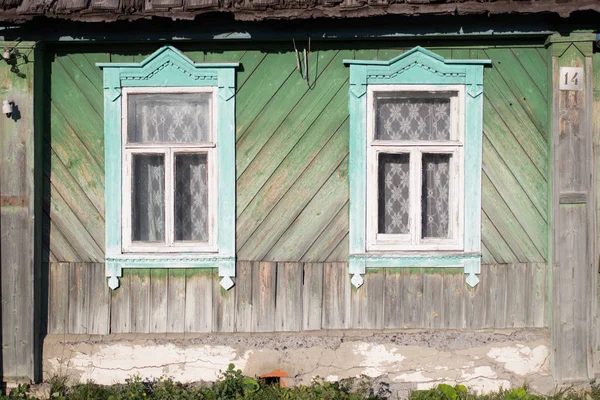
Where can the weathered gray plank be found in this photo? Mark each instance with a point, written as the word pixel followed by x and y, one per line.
pixel 413 298
pixel 58 298
pixel 535 295
pixel 243 296
pixel 288 303
pixel 139 293
pixel 475 301
pixel 368 301
pixel 393 314
pixel 99 300
pixel 120 310
pixel 515 300
pixel 78 298
pixel 159 292
pixel 198 300
pixel 496 297
pixel 224 310
pixel 433 304
pixel 176 301
pixel 336 296
pixel 454 300
pixel 263 296
pixel 312 296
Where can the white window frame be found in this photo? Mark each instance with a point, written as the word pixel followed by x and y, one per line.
pixel 169 150
pixel 413 242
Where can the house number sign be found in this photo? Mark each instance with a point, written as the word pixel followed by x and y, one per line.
pixel 571 78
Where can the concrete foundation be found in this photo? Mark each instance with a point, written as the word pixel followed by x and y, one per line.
pixel 406 360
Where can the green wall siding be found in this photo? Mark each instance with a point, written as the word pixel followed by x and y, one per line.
pixel 291 152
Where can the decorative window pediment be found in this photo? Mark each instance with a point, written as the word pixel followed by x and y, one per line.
pixel 169 164
pixel 415 163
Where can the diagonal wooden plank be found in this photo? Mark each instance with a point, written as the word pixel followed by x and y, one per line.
pixel 261 87
pixel 295 104
pixel 519 82
pixel 526 213
pixel 329 239
pixel 535 66
pixel 505 221
pixel 92 93
pixel 86 63
pixel 499 250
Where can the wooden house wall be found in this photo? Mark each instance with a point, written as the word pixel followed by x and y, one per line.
pixel 292 196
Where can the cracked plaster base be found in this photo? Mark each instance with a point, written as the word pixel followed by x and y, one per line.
pixel 483 361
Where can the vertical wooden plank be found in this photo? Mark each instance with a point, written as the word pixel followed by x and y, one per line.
pixel 516 295
pixel 263 296
pixel 454 300
pixel 243 296
pixel 312 296
pixel 413 299
pixel 78 300
pixel 120 310
pixel 159 298
pixel 223 305
pixel 139 292
pixel 475 301
pixel 176 301
pixel 99 300
pixel 198 300
pixel 535 294
pixel 288 301
pixel 393 315
pixel 58 298
pixel 336 296
pixel 496 297
pixel 433 305
pixel 368 301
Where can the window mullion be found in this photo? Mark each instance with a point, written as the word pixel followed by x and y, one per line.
pixel 415 194
pixel 169 198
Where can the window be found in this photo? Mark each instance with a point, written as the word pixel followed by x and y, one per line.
pixel 169 170
pixel 169 165
pixel 415 141
pixel 415 163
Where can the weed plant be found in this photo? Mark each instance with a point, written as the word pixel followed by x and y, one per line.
pixel 232 385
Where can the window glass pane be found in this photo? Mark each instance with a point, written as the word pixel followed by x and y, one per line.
pixel 412 116
pixel 435 194
pixel 148 198
pixel 169 117
pixel 393 201
pixel 191 197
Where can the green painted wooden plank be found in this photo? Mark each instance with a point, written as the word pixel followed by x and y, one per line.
pixel 486 256
pixel 84 168
pixel 294 104
pixel 303 184
pixel 531 180
pixel 77 201
pixel 340 253
pixel 71 101
pixel 329 239
pixel 250 63
pixel 224 56
pixel 71 228
pixel 275 69
pixel 525 90
pixel 388 54
pixel 505 221
pixel 296 141
pixel 287 210
pixel 271 178
pixel 313 219
pixel 536 66
pixel 528 216
pixel 86 63
pixel 60 247
pixel 502 108
pixel 494 242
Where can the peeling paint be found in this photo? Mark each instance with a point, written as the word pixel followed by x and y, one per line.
pixel 521 359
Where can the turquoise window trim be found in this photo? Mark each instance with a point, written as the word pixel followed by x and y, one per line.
pixel 417 66
pixel 168 67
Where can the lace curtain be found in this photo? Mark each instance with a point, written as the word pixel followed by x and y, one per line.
pixel 435 192
pixel 148 198
pixel 394 179
pixel 191 197
pixel 169 118
pixel 413 119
